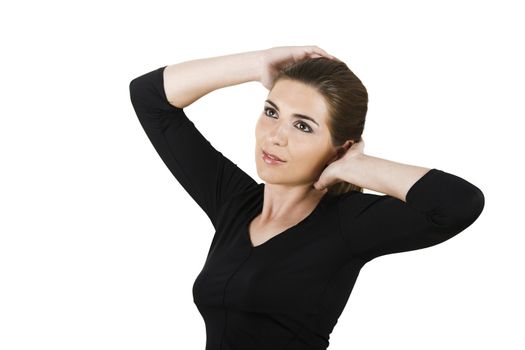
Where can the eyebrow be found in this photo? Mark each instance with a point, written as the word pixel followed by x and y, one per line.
pixel 302 116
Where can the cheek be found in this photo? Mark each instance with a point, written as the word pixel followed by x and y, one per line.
pixel 310 157
pixel 260 127
pixel 257 130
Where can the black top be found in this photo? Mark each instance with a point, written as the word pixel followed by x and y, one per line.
pixel 288 292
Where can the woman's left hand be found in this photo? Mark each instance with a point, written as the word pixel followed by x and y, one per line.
pixel 331 174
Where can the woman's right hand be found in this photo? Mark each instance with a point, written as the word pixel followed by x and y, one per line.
pixel 276 58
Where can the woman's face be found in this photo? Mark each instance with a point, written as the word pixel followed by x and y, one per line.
pixel 303 144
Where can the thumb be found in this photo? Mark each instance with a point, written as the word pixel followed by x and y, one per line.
pixel 325 180
pixel 320 185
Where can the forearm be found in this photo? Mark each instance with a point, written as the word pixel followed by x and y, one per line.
pixel 382 175
pixel 188 81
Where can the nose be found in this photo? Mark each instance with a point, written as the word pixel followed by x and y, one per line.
pixel 278 134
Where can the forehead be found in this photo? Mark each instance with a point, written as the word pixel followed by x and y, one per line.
pixel 296 97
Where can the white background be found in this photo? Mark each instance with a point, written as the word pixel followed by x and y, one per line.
pixel 100 245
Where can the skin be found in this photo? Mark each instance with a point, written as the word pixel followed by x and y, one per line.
pixel 289 194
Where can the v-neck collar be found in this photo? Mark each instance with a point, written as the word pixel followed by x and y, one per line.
pixel 257 210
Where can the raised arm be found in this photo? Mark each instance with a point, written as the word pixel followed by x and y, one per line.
pixel 206 174
pixel 434 208
pixel 188 81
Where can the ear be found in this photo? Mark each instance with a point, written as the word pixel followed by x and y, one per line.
pixel 348 144
pixel 342 149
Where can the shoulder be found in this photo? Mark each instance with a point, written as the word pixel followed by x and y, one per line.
pixel 248 195
pixel 351 203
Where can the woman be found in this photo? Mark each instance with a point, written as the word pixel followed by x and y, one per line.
pixel 286 252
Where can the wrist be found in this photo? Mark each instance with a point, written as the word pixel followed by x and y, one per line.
pixel 260 64
pixel 350 170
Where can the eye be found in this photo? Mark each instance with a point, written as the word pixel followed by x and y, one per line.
pixel 302 123
pixel 268 109
pixel 299 123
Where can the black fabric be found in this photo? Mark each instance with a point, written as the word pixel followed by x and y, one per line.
pixel 288 292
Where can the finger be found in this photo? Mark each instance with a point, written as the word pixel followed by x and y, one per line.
pixel 321 51
pixel 324 53
pixel 316 51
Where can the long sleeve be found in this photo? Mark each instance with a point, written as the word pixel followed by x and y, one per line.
pixel 205 173
pixel 438 206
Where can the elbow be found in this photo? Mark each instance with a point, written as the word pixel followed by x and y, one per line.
pixel 474 206
pixel 478 203
pixel 134 86
pixel 464 213
pixel 142 87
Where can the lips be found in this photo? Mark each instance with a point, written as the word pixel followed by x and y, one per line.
pixel 269 155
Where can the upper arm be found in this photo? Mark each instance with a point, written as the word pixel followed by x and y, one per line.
pixel 438 206
pixel 206 174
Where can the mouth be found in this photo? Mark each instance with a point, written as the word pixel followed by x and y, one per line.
pixel 271 157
